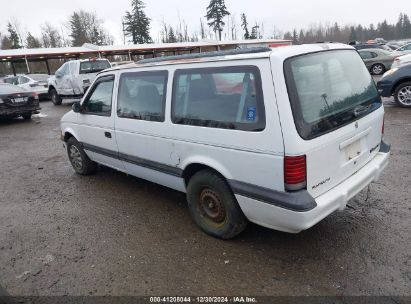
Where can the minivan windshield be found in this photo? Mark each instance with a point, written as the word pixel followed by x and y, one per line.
pixel 96 66
pixel 328 90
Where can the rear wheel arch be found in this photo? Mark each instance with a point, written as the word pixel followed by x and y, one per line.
pixel 195 167
pixel 398 83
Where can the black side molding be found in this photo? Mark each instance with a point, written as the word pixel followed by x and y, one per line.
pixel 299 201
pixel 384 147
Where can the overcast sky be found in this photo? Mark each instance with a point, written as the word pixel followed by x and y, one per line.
pixel 282 14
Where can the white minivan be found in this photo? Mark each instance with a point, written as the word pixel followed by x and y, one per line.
pixel 279 137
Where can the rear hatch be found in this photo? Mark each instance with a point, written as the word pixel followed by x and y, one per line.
pixel 337 113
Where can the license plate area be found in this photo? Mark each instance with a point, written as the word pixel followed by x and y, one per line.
pixel 353 151
pixel 19 99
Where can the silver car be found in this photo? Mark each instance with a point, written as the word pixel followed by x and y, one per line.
pixel 377 60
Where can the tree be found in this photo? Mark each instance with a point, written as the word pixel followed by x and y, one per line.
pixel 216 11
pixel 50 36
pixel 6 43
pixel 244 25
pixel 301 37
pixel 171 38
pixel 202 30
pixel 254 32
pixel 137 24
pixel 295 37
pixel 13 37
pixel 86 27
pixel 353 34
pixel 406 26
pixel 32 42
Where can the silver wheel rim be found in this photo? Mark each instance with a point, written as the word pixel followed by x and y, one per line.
pixel 75 158
pixel 377 69
pixel 404 96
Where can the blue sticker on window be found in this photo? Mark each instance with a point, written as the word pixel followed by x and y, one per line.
pixel 251 113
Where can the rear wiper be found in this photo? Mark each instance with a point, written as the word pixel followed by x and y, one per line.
pixel 358 111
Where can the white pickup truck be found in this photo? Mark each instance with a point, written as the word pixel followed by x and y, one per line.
pixel 73 78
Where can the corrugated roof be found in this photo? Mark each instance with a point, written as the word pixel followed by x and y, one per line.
pixel 90 48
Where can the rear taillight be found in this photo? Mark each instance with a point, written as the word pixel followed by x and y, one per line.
pixel 295 172
pixel 35 95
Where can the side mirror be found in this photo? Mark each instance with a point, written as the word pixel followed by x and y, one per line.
pixel 76 107
pixel 58 75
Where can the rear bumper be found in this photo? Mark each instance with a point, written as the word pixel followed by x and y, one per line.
pixel 385 89
pixel 286 220
pixel 19 110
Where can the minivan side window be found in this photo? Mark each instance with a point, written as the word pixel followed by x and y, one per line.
pixel 224 97
pixel 98 101
pixel 142 95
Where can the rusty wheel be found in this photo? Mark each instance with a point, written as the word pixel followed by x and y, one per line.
pixel 213 206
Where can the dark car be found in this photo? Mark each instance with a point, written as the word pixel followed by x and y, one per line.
pixel 397 83
pixel 16 101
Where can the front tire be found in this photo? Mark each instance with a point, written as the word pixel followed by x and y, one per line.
pixel 213 206
pixel 402 95
pixel 81 163
pixel 378 69
pixel 55 98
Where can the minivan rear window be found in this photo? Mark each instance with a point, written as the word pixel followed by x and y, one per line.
pixel 328 90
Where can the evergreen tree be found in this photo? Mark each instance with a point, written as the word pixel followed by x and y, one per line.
pixel 13 37
pixel 137 24
pixel 202 30
pixel 406 27
pixel 216 11
pixel 295 37
pixel 244 25
pixel 353 34
pixel 301 37
pixel 399 27
pixel 32 42
pixel 171 38
pixel 78 32
pixel 6 43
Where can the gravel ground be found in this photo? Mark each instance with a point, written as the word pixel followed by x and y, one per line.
pixel 111 234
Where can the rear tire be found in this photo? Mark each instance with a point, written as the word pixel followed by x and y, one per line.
pixel 81 163
pixel 378 69
pixel 27 116
pixel 55 98
pixel 213 206
pixel 402 95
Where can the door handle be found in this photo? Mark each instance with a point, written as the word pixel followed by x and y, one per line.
pixel 107 134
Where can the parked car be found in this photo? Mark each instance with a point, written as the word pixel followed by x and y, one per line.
pixel 73 78
pixel 397 82
pixel 31 82
pixel 367 46
pixel 401 60
pixel 405 49
pixel 16 101
pixel 244 140
pixel 377 61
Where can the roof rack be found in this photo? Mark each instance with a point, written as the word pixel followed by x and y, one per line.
pixel 207 55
